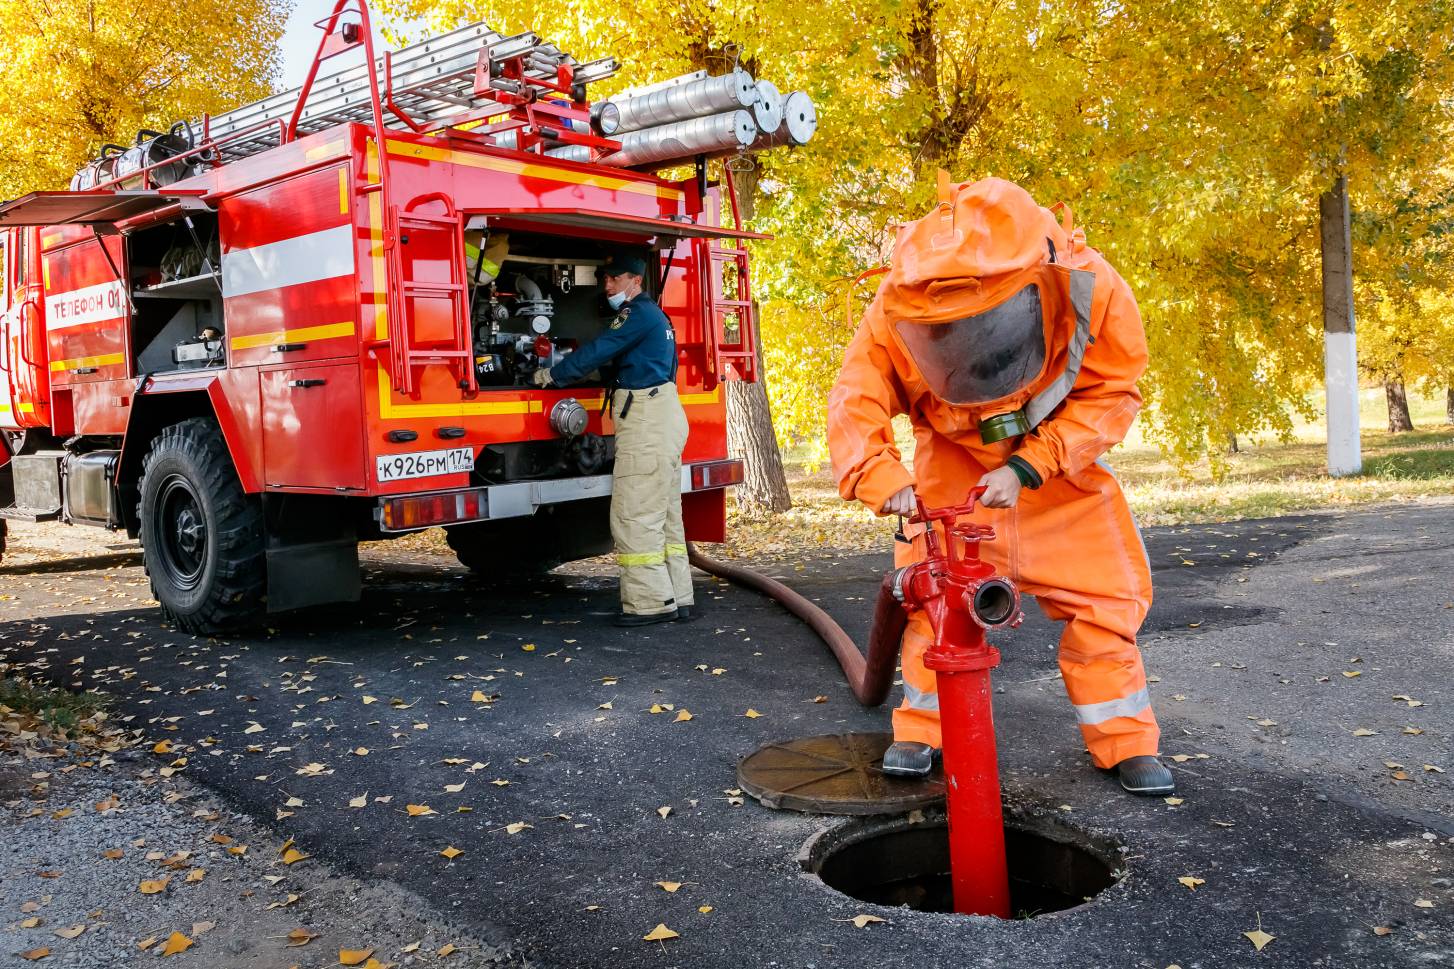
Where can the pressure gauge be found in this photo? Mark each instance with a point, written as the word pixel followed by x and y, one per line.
pixel 540 324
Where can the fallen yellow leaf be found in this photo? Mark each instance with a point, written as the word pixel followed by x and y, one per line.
pixel 71 932
pixel 862 921
pixel 1423 903
pixel 417 810
pixel 176 942
pixel 162 747
pixel 300 936
pixel 112 853
pixel 446 949
pixel 354 957
pixel 1360 732
pixel 1259 939
pixel 453 788
pixel 668 886
pixel 704 909
pixel 1174 801
pixel 195 875
pixel 1382 930
pixel 660 933
pixel 682 715
pixel 751 714
pixel 154 886
pixel 35 954
pixel 293 855
pixel 451 852
pixel 517 827
pixel 663 811
pixel 1191 881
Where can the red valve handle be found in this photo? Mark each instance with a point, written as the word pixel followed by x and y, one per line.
pixel 926 514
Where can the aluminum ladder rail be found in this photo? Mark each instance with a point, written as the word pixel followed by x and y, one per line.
pixel 430 81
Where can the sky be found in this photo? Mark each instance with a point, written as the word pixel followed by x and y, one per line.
pixel 300 42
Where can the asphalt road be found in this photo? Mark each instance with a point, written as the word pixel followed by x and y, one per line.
pixel 522 721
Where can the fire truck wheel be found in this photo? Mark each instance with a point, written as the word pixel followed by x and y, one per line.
pixel 201 535
pixel 479 546
pixel 4 530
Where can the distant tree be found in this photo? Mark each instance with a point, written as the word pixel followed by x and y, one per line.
pixel 79 75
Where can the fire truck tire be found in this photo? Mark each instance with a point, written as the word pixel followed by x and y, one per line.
pixel 503 549
pixel 202 537
pixel 4 531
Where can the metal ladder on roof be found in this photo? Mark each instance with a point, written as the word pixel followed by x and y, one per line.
pixel 430 81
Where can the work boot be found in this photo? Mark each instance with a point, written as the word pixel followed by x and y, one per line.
pixel 637 619
pixel 686 613
pixel 1146 776
pixel 904 758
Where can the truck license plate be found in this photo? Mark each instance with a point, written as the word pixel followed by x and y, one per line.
pixel 425 464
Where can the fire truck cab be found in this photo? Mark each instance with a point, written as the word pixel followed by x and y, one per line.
pixel 263 347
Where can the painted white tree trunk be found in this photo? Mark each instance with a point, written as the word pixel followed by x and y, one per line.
pixel 1340 339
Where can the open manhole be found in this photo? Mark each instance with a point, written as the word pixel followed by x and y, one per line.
pixel 899 862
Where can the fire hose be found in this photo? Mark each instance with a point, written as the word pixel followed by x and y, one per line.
pixel 870 678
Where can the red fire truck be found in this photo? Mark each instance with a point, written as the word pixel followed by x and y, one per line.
pixel 255 340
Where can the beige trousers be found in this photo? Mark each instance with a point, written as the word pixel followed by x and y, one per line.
pixel 646 501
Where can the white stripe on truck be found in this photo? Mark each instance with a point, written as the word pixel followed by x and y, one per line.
pixel 289 262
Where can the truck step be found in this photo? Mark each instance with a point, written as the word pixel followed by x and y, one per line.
pixel 29 514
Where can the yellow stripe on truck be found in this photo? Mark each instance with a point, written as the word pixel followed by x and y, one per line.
pixel 79 363
pixel 302 334
pixel 532 170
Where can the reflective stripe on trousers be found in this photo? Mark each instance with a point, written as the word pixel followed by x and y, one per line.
pixel 1134 705
pixel 917 699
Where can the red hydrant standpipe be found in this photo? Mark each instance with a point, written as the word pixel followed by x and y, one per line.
pixel 963 597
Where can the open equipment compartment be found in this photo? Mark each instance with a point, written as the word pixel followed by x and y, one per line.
pixel 534 298
pixel 175 280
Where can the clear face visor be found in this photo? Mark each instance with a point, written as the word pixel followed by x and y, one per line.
pixel 981 358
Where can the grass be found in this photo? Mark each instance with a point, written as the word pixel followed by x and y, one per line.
pixel 60 710
pixel 1267 478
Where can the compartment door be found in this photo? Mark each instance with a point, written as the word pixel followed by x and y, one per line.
pixel 313 428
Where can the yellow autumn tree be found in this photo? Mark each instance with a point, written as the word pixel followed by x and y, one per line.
pixel 1192 137
pixel 79 75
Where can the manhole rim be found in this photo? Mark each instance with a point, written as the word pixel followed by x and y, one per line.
pixel 855 829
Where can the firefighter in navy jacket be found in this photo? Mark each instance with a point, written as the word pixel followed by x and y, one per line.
pixel 651 430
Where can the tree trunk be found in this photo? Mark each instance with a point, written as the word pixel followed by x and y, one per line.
pixel 1232 445
pixel 1398 406
pixel 764 488
pixel 1449 405
pixel 1340 342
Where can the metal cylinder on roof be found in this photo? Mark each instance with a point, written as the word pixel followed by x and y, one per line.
pixel 768 111
pixel 575 153
pixel 726 132
pixel 700 98
pixel 800 123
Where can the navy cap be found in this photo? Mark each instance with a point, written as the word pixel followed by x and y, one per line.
pixel 624 262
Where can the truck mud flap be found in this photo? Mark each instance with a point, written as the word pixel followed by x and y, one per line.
pixel 312 574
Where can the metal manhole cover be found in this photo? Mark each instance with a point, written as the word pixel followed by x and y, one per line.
pixel 839 773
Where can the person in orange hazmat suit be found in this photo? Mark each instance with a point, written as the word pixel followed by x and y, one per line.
pixel 1015 349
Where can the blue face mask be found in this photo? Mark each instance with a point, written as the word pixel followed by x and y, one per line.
pixel 617 300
